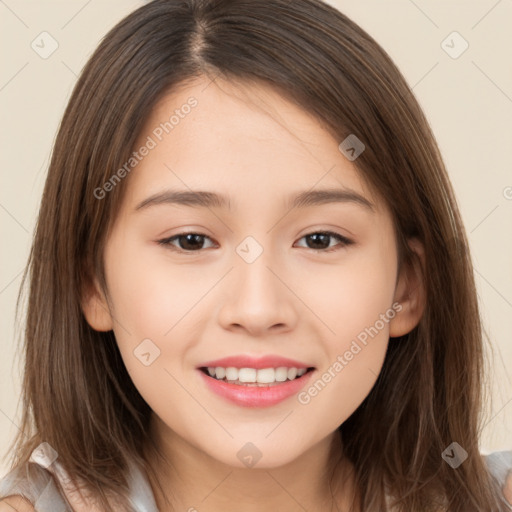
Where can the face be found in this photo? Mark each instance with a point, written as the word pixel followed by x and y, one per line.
pixel 251 275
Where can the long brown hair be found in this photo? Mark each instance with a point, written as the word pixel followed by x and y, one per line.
pixel 77 394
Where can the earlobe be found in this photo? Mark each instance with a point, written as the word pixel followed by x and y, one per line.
pixel 95 309
pixel 410 293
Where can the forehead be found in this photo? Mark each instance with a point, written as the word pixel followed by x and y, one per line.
pixel 242 140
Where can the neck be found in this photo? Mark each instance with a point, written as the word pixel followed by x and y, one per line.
pixel 318 480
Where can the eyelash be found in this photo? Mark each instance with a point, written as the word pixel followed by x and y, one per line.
pixel 344 242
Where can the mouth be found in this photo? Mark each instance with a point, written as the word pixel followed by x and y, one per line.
pixel 255 377
pixel 255 387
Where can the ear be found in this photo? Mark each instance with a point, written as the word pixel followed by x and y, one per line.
pixel 410 293
pixel 95 308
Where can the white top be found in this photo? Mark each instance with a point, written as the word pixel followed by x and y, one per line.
pixel 35 481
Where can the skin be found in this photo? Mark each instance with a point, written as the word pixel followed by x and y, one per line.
pixel 249 143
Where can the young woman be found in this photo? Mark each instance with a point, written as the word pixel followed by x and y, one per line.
pixel 249 287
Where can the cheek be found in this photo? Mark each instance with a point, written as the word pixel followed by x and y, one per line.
pixel 151 305
pixel 355 302
pixel 151 301
pixel 350 296
pixel 152 295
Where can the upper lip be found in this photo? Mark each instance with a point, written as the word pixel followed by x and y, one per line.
pixel 245 361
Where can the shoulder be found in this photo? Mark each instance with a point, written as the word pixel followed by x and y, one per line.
pixel 29 487
pixel 16 504
pixel 500 466
pixel 507 490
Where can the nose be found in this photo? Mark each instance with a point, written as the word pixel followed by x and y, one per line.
pixel 258 299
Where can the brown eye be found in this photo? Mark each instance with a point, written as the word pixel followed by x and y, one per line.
pixel 320 241
pixel 194 242
pixel 187 242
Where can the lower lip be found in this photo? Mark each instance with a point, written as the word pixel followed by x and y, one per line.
pixel 256 396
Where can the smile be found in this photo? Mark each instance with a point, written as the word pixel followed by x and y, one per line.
pixel 255 376
pixel 242 386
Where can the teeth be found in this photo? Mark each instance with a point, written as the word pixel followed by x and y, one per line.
pixel 231 373
pixel 266 376
pixel 253 375
pixel 246 375
pixel 292 373
pixel 281 374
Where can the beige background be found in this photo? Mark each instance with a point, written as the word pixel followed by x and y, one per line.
pixel 468 101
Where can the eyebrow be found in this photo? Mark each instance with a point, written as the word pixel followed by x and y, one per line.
pixel 200 198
